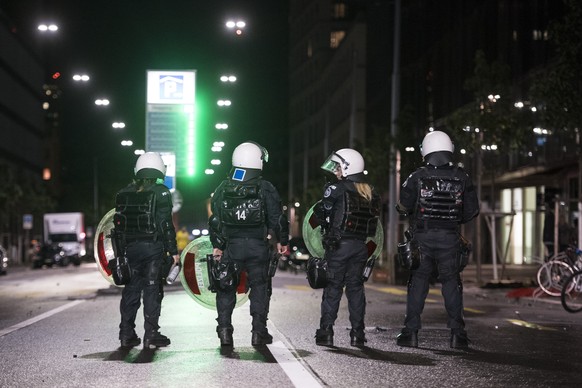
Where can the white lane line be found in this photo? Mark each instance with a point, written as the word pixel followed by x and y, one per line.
pixel 291 364
pixel 42 316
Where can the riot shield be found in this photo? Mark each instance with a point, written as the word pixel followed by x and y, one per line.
pixel 312 237
pixel 103 246
pixel 194 274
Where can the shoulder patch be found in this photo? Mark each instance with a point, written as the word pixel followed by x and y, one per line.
pixel 327 192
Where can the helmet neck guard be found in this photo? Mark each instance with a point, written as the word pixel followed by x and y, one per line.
pixel 241 174
pixel 439 158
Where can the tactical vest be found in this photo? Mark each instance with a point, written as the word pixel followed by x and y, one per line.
pixel 440 199
pixel 242 205
pixel 135 214
pixel 360 215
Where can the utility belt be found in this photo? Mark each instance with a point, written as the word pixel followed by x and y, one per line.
pixel 141 238
pixel 435 224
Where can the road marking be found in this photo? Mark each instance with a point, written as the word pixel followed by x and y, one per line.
pixel 39 318
pixel 530 325
pixel 291 363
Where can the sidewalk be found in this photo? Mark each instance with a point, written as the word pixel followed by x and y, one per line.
pixel 510 276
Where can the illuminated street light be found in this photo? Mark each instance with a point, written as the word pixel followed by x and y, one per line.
pixel 237 26
pixel 48 27
pixel 228 78
pixel 223 103
pixel 209 171
pixel 118 125
pixel 126 143
pixel 215 162
pixel 102 102
pixel 81 78
pixel 221 126
pixel 139 152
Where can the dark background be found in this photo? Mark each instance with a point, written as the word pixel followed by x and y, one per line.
pixel 116 42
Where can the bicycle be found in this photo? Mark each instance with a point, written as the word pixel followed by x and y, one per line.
pixel 552 275
pixel 571 295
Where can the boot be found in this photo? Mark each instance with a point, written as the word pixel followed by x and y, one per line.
pixel 357 338
pixel 130 342
pixel 261 338
pixel 459 340
pixel 407 338
pixel 324 336
pixel 225 336
pixel 155 340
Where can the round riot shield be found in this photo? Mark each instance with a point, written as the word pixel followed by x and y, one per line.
pixel 103 247
pixel 312 237
pixel 194 274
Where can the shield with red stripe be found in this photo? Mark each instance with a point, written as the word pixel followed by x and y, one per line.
pixel 103 247
pixel 312 237
pixel 194 274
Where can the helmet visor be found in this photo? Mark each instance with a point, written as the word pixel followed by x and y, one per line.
pixel 331 165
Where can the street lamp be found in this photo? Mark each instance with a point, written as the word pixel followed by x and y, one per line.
pixel 223 103
pixel 236 25
pixel 118 125
pixel 48 27
pixel 228 78
pixel 81 78
pixel 102 102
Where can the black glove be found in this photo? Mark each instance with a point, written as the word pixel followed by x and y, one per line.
pixel 330 243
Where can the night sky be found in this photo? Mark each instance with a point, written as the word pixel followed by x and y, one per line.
pixel 115 42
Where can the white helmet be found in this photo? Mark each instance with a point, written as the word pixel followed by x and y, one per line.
pixel 436 141
pixel 249 155
pixel 350 161
pixel 150 165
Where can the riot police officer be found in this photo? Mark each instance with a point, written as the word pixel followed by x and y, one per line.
pixel 438 197
pixel 348 214
pixel 245 208
pixel 144 233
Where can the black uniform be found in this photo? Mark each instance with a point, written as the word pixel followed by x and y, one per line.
pixel 438 199
pixel 347 220
pixel 146 235
pixel 244 210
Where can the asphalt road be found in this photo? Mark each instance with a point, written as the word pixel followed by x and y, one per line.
pixel 58 328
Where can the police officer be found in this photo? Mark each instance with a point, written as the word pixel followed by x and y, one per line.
pixel 438 197
pixel 145 234
pixel 348 214
pixel 244 208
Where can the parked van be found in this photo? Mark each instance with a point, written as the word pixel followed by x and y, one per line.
pixel 67 231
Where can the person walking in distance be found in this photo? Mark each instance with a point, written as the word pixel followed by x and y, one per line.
pixel 438 197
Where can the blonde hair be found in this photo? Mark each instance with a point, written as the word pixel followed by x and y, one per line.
pixel 364 189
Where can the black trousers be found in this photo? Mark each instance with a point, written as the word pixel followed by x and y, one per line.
pixel 145 260
pixel 252 256
pixel 439 250
pixel 345 267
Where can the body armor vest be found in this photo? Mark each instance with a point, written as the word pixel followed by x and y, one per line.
pixel 135 213
pixel 440 199
pixel 360 215
pixel 242 205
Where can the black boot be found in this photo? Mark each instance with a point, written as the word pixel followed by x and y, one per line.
pixel 130 342
pixel 459 340
pixel 260 338
pixel 407 338
pixel 358 338
pixel 225 336
pixel 324 336
pixel 155 340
